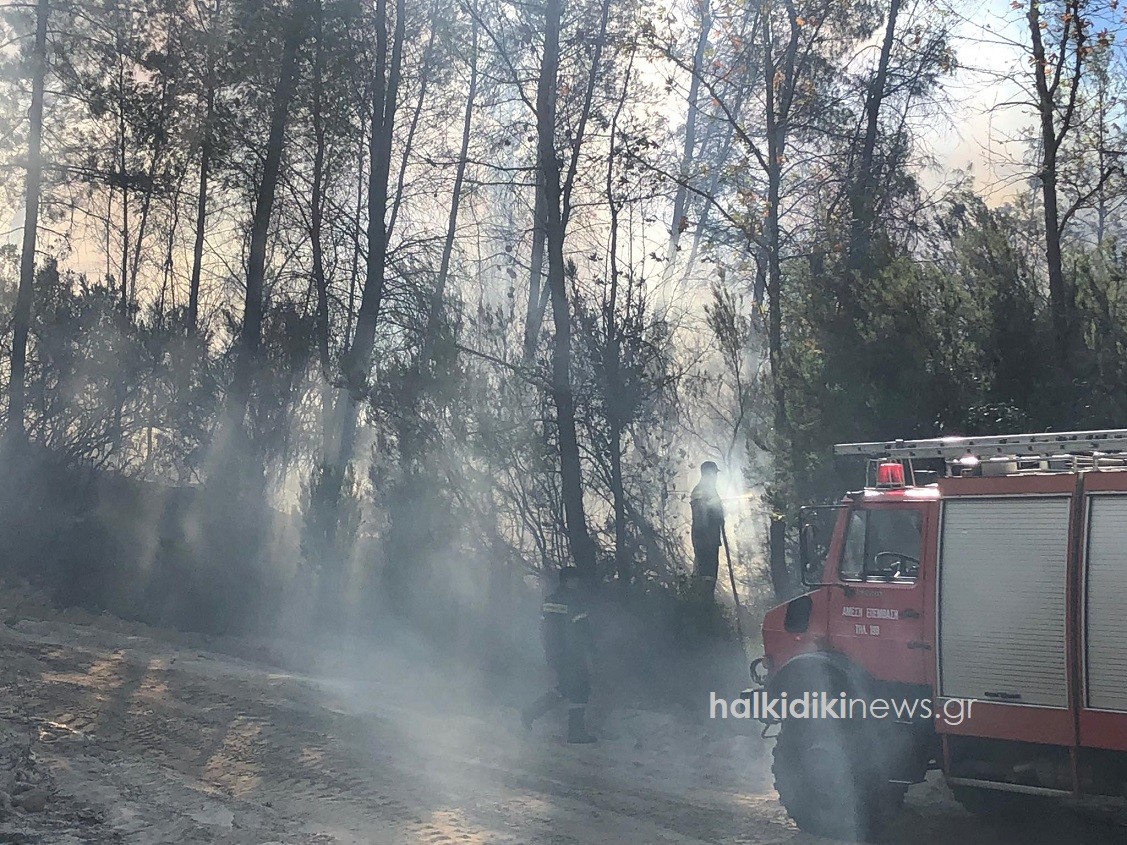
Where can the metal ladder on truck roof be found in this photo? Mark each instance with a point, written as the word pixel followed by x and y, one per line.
pixel 1005 454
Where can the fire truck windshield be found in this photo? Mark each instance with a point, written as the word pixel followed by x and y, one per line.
pixel 882 543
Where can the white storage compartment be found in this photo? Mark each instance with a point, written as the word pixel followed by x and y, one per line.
pixel 1002 583
pixel 1106 603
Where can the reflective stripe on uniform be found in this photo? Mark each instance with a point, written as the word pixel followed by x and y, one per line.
pixel 551 607
pixel 580 616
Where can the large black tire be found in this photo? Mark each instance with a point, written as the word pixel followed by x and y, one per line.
pixel 830 781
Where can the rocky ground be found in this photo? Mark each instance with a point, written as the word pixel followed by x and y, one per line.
pixel 112 732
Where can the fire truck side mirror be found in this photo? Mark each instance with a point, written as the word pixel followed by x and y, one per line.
pixel 805 548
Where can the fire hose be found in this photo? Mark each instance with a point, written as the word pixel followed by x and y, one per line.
pixel 735 592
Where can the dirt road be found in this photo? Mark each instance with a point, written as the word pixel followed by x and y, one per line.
pixel 118 733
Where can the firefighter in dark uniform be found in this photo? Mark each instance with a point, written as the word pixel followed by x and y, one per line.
pixel 566 629
pixel 708 526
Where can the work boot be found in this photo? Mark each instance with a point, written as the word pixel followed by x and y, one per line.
pixel 538 708
pixel 576 727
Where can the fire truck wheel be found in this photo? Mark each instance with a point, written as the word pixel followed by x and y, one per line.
pixel 828 783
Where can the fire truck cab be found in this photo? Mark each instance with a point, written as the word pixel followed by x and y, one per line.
pixel 973 622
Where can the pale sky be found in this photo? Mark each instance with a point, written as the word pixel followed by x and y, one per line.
pixel 982 124
pixel 987 119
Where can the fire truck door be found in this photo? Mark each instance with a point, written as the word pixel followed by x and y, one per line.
pixel 877 617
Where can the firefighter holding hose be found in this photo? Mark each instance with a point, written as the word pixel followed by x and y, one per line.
pixel 708 527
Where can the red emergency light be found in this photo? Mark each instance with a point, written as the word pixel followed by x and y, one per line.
pixel 890 474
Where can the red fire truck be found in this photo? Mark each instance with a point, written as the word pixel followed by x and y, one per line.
pixel 978 611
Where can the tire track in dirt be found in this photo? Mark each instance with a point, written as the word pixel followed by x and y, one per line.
pixel 170 744
pixel 162 715
pixel 303 762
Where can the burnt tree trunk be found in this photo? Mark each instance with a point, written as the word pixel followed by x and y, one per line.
pixel 862 203
pixel 689 149
pixel 201 224
pixel 250 333
pixel 435 314
pixel 413 126
pixel 205 175
pixel 316 218
pixel 612 360
pixel 1047 78
pixel 537 293
pixel 385 94
pixel 123 178
pixel 21 320
pixel 580 545
pixel 779 80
